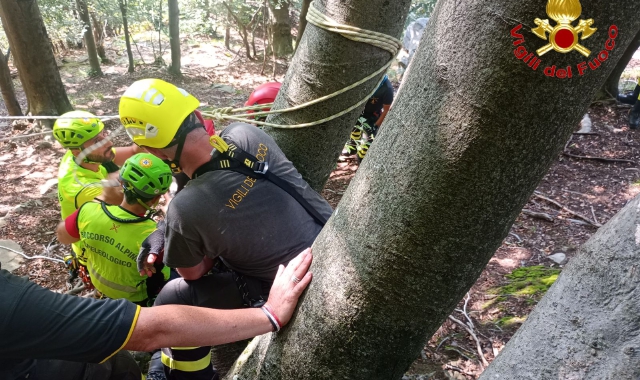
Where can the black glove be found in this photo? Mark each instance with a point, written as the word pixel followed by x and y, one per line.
pixel 153 244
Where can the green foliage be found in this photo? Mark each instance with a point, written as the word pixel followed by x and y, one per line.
pixel 419 9
pixel 60 20
pixel 510 321
pixel 530 282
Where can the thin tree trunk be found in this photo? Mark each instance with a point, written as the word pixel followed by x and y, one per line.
pixel 586 326
pixel 98 36
pixel 6 86
pixel 89 42
pixel 227 37
pixel 455 161
pixel 242 30
pixel 282 41
pixel 174 37
pixel 33 57
pixel 127 38
pixel 302 22
pixel 610 87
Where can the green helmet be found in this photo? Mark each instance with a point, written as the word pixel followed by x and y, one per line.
pixel 76 128
pixel 145 174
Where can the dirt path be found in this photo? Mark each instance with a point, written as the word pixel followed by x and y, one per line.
pixel 590 191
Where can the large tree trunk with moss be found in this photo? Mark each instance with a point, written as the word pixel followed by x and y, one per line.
pixel 89 42
pixel 6 86
pixel 302 22
pixel 174 36
pixel 587 326
pixel 324 63
pixel 610 88
pixel 280 25
pixel 456 159
pixel 33 57
pixel 127 38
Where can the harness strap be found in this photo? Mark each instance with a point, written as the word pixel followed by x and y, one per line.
pixel 237 160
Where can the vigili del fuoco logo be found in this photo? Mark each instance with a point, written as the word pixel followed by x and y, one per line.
pixel 563 37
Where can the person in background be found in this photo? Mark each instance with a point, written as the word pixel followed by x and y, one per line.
pixel 81 183
pixel 374 114
pixel 634 100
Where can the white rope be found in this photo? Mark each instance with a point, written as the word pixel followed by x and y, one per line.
pixel 103 118
pixel 315 17
pixel 32 257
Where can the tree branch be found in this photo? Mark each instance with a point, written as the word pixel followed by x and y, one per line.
pixel 539 195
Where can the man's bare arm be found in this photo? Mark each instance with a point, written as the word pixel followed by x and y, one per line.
pixel 189 326
pixel 195 272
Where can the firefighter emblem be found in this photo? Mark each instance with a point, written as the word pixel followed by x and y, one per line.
pixel 563 37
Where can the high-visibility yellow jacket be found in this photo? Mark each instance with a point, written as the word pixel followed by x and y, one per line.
pixel 76 189
pixel 112 237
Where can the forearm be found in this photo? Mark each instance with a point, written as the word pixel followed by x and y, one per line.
pixel 189 326
pixel 195 272
pixel 112 195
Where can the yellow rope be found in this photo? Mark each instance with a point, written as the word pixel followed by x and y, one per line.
pixel 381 40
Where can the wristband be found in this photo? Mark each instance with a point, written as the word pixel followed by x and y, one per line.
pixel 272 317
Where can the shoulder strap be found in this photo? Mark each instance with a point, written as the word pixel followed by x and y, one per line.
pixel 237 160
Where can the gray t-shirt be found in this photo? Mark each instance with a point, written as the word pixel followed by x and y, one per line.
pixel 251 224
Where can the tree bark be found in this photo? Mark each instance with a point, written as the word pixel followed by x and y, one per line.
pixel 302 23
pixel 455 161
pixel 98 36
pixel 326 62
pixel 6 86
pixel 587 325
pixel 174 37
pixel 227 37
pixel 610 87
pixel 127 38
pixel 33 57
pixel 89 42
pixel 280 27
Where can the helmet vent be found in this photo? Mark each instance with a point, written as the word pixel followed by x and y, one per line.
pixel 149 94
pixel 182 91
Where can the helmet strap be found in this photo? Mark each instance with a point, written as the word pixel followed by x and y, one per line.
pixel 188 125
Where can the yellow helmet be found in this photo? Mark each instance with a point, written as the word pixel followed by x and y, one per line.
pixel 76 128
pixel 152 111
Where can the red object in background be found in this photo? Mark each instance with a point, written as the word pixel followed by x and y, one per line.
pixel 263 94
pixel 208 124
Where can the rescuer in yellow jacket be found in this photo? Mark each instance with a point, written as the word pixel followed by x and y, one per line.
pixel 112 234
pixel 81 183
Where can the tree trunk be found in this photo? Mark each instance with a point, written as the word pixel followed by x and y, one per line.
pixel 452 166
pixel 33 57
pixel 227 37
pixel 280 27
pixel 98 36
pixel 610 87
pixel 174 37
pixel 127 38
pixel 6 86
pixel 302 23
pixel 89 42
pixel 326 62
pixel 242 30
pixel 587 325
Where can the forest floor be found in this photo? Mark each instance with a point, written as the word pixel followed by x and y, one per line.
pixel 575 196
